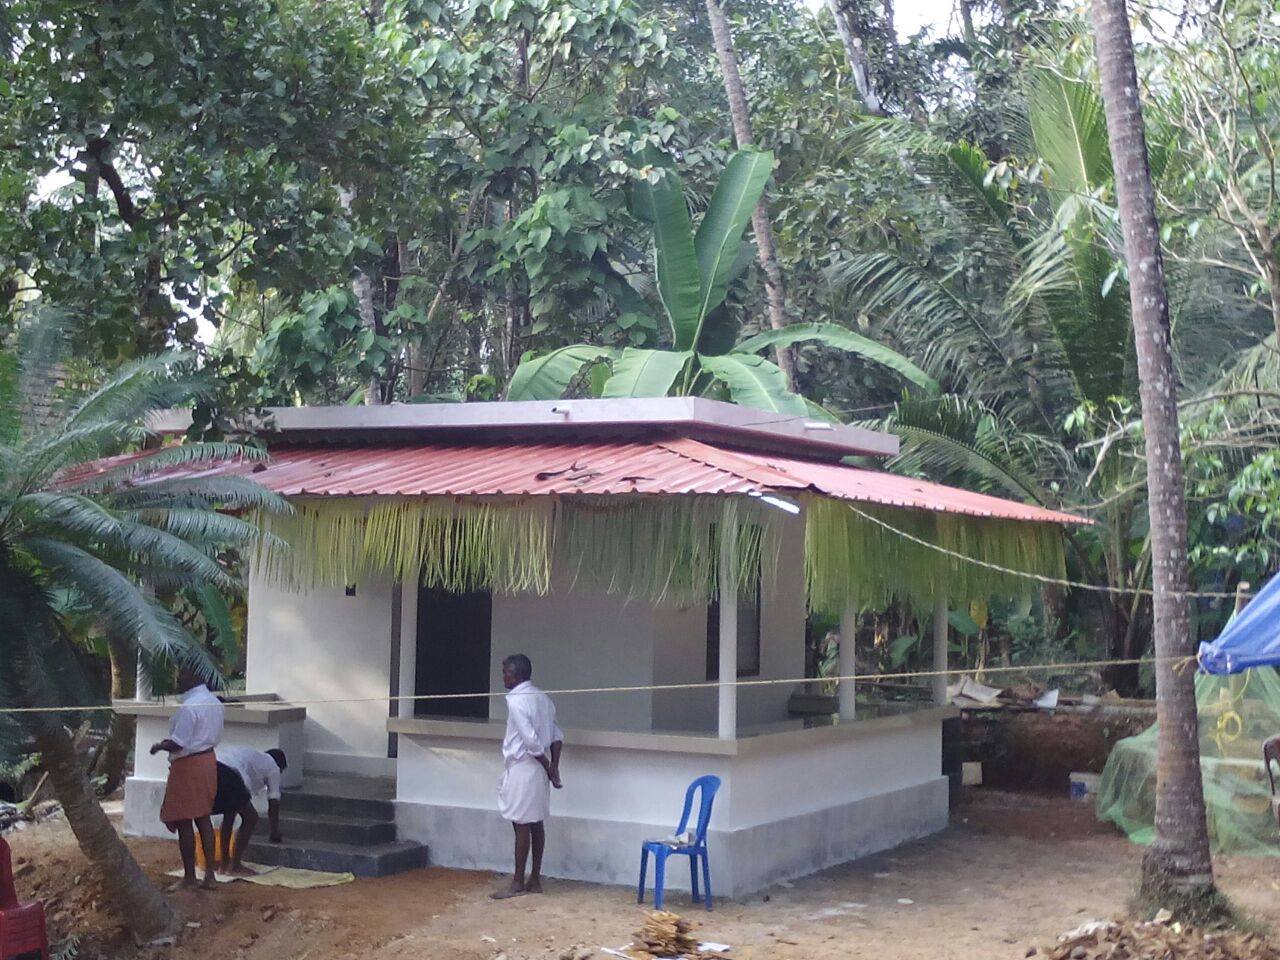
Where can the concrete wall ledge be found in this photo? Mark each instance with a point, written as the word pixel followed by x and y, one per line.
pixel 767 740
pixel 265 713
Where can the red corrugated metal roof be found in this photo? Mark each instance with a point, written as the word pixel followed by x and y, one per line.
pixel 671 467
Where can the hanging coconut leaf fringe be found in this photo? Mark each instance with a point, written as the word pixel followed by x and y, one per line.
pixel 847 555
pixel 659 549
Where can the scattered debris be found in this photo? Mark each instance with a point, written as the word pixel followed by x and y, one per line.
pixel 14 816
pixel 663 934
pixel 1100 940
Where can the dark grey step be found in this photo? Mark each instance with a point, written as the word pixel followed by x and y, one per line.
pixel 378 860
pixel 356 831
pixel 309 801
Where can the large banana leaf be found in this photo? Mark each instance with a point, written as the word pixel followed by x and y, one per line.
pixel 646 373
pixel 754 382
pixel 675 261
pixel 834 335
pixel 547 377
pixel 719 234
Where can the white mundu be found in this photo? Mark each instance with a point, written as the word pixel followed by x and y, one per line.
pixel 524 793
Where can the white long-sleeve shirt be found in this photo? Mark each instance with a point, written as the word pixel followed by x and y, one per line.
pixel 257 768
pixel 531 724
pixel 196 726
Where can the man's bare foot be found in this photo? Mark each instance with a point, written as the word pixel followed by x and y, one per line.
pixel 533 886
pixel 209 883
pixel 512 889
pixel 186 883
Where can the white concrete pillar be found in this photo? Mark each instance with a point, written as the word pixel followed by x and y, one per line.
pixel 728 584
pixel 845 666
pixel 940 639
pixel 142 679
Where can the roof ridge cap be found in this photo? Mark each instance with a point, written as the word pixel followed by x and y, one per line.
pixel 740 466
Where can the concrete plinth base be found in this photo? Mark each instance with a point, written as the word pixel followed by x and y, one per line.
pixel 742 860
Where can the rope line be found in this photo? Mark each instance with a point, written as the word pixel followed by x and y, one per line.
pixel 1070 666
pixel 1041 578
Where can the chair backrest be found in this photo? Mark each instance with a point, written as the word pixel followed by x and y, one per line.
pixel 708 786
pixel 1271 751
pixel 8 895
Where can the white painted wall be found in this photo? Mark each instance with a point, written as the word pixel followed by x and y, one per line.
pixel 321 645
pixel 807 776
pixel 579 638
pixel 601 783
pixel 680 651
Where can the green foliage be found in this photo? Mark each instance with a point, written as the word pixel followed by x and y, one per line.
pixel 89 538
pixel 693 272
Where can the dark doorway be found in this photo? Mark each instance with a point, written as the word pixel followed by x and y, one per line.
pixel 453 651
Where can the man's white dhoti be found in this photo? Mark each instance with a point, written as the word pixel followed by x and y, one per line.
pixel 524 792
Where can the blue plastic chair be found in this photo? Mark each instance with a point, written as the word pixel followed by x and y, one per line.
pixel 698 848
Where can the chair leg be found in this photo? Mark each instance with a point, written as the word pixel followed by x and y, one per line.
pixel 706 878
pixel 693 878
pixel 659 879
pixel 644 868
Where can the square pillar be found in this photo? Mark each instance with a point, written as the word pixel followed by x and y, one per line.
pixel 940 639
pixel 728 585
pixel 845 663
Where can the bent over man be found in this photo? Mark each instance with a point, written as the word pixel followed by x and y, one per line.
pixel 194 730
pixel 531 767
pixel 243 773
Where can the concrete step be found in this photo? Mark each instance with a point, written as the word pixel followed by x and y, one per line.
pixel 377 860
pixel 356 831
pixel 308 801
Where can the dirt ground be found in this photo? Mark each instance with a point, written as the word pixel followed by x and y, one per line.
pixel 1012 872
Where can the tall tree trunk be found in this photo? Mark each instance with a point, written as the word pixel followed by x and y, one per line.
pixel 855 52
pixel 766 249
pixel 1179 857
pixel 519 318
pixel 114 756
pixel 29 631
pixel 144 908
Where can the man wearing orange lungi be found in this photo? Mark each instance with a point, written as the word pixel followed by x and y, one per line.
pixel 194 730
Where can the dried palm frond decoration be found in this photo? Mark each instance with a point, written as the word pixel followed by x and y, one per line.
pixel 656 548
pixel 847 555
pixel 660 549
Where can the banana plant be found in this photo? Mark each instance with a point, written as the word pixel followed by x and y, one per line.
pixel 693 270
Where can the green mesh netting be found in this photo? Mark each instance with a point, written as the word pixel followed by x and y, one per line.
pixel 1236 714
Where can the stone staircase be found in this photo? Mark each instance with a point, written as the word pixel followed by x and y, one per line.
pixel 340 825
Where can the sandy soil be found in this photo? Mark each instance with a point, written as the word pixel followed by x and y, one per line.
pixel 1012 872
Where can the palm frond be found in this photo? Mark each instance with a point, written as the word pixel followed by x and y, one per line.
pixel 118 601
pixel 959 440
pixel 178 454
pixel 228 493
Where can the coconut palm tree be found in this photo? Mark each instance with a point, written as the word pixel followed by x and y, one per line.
pixel 109 536
pixel 693 272
pixel 1027 322
pixel 1178 859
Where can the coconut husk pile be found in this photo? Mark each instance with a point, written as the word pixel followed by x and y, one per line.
pixel 1158 940
pixel 663 934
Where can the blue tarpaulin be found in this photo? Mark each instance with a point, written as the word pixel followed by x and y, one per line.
pixel 1250 639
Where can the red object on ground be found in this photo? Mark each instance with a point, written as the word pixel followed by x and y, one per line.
pixel 22 927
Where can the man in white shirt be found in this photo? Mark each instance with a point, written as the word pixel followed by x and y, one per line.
pixel 243 773
pixel 531 767
pixel 194 730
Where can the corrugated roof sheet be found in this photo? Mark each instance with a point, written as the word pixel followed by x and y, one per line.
pixel 658 467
